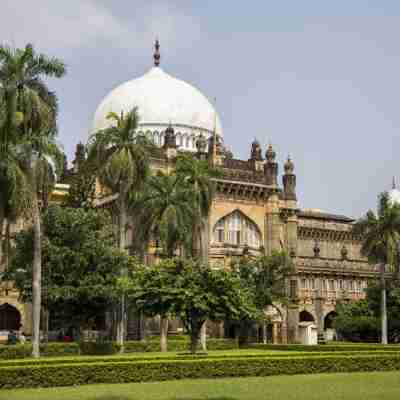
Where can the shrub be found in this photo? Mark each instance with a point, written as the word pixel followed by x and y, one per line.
pixel 160 370
pixel 325 347
pixel 99 348
pixel 25 350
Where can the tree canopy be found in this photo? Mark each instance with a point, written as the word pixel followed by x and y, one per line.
pixel 80 261
pixel 192 291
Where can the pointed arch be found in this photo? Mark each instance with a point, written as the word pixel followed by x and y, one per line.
pixel 237 229
pixel 10 317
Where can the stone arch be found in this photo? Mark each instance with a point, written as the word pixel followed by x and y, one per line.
pixel 179 139
pixel 329 320
pixel 187 142
pixel 156 138
pixel 192 141
pixel 162 134
pixel 148 135
pixel 238 229
pixel 274 313
pixel 10 318
pixel 306 316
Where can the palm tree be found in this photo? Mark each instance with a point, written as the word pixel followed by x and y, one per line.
pixel 122 158
pixel 199 176
pixel 21 76
pixel 380 234
pixel 164 210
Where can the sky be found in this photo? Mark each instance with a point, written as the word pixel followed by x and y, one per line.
pixel 318 79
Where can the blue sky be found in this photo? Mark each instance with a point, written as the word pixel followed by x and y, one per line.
pixel 319 79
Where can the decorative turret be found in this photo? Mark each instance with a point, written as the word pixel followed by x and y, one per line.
pixel 201 146
pixel 215 150
pixel 271 167
pixel 156 54
pixel 170 142
pixel 289 181
pixel 256 158
pixel 256 151
pixel 80 157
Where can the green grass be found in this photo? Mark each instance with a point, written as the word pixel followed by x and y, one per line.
pixel 355 386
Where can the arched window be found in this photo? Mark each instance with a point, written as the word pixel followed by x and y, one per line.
pixel 187 144
pixel 179 139
pixel 156 138
pixel 10 318
pixel 236 229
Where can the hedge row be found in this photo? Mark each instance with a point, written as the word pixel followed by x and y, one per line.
pixel 150 371
pixel 174 357
pixel 181 344
pixel 324 347
pixel 99 348
pixel 8 352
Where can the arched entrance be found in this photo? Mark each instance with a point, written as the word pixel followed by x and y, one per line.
pixel 271 330
pixel 10 318
pixel 329 326
pixel 305 316
pixel 307 328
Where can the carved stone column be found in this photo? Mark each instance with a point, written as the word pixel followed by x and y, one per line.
pixel 293 323
pixel 273 225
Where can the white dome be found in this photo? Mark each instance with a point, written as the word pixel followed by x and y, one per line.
pixel 162 99
pixel 394 196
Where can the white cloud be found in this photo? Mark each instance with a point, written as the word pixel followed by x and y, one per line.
pixel 54 24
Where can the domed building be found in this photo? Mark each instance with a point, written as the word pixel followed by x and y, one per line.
pixel 255 211
pixel 394 193
pixel 162 100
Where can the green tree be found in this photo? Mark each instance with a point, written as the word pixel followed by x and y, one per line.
pixel 81 263
pixel 199 177
pixel 21 76
pixel 193 291
pixel 380 235
pixel 82 181
pixel 355 321
pixel 164 210
pixel 393 306
pixel 266 279
pixel 152 292
pixel 122 159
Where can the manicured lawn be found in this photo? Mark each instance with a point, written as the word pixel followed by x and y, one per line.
pixel 356 386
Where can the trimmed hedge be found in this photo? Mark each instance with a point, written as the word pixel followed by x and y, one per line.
pixel 8 352
pixel 177 344
pixel 324 347
pixel 172 357
pixel 150 371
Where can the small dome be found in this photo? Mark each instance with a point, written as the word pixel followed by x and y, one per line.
pixel 394 193
pixel 394 196
pixel 162 99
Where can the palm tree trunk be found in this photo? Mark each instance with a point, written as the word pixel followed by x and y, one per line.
pixel 203 336
pixel 36 270
pixel 204 240
pixel 163 333
pixel 121 322
pixel 2 242
pixel 384 328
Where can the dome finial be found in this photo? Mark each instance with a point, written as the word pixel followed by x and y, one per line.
pixel 394 182
pixel 156 54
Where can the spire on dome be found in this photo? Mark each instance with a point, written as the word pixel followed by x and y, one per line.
pixel 156 54
pixel 394 182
